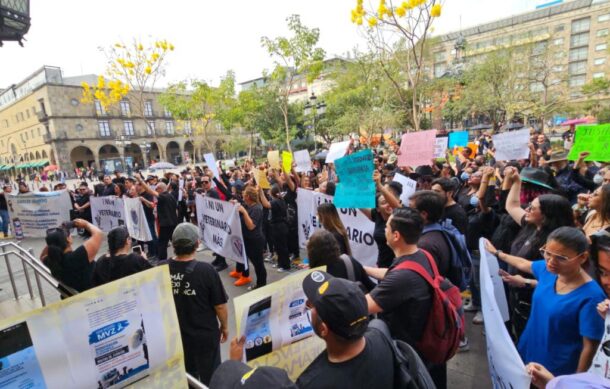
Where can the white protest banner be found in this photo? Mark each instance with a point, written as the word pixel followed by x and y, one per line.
pixel 601 361
pixel 512 145
pixel 408 187
pixel 301 158
pixel 505 365
pixel 135 219
pixel 274 320
pixel 336 151
pixel 494 268
pixel 34 213
pixel 359 228
pixel 180 187
pixel 124 333
pixel 107 212
pixel 220 227
pixel 440 147
pixel 211 162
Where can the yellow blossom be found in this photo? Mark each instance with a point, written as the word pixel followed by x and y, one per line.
pixel 154 56
pixel 140 47
pixel 435 12
pixel 171 47
pixel 148 70
pixel 400 11
pixel 359 20
pixel 372 21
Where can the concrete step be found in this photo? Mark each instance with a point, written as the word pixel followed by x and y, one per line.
pixel 13 307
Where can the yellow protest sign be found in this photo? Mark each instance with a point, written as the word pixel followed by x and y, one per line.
pixel 122 333
pixel 276 313
pixel 287 161
pixel 260 176
pixel 274 159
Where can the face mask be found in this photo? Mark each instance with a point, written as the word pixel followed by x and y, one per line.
pixel 474 201
pixel 465 176
pixel 598 179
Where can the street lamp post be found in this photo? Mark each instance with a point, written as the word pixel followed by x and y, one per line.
pixel 146 149
pixel 122 141
pixel 316 110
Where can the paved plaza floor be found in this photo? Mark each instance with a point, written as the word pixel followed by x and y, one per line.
pixel 465 371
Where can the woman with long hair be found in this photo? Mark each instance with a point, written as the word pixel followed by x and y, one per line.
pixel 541 217
pixel 563 329
pixel 120 261
pixel 254 240
pixel 72 267
pixel 330 221
pixel 598 217
pixel 279 228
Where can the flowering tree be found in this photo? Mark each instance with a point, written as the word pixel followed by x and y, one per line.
pixel 132 69
pixel 398 34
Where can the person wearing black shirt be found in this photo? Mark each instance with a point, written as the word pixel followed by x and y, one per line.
pixel 453 211
pixel 279 228
pixel 148 203
pixel 6 191
pixel 117 178
pixel 109 187
pixel 82 204
pixel 403 298
pixel 73 268
pixel 120 262
pixel 167 212
pixel 201 304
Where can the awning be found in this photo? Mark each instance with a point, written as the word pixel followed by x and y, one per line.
pixel 43 163
pixel 7 167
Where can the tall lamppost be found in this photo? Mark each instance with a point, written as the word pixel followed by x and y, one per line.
pixel 122 141
pixel 315 109
pixel 145 146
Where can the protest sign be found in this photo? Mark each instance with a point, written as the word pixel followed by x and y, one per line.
pixel 276 315
pixel 592 138
pixel 136 220
pixel 211 162
pixel 359 228
pixel 287 161
pixel 512 145
pixel 274 159
pixel 408 187
pixel 505 365
pixel 417 148
pixel 601 361
pixel 336 151
pixel 260 176
pixel 180 187
pixel 220 227
pixel 122 333
pixel 356 188
pixel 34 213
pixel 303 161
pixel 107 212
pixel 440 147
pixel 459 138
pixel 496 280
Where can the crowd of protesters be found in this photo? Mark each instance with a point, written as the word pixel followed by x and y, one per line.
pixel 546 219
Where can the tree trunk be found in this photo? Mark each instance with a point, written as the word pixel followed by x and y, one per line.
pixel 287 131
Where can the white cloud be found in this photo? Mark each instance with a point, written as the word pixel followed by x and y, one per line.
pixel 210 37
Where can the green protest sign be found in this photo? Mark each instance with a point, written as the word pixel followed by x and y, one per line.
pixel 593 138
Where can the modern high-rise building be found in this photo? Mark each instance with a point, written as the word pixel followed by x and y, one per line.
pixel 578 31
pixel 43 121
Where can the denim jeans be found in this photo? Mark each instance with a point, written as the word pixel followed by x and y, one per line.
pixel 5 221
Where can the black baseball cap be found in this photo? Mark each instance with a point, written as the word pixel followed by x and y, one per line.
pixel 234 374
pixel 339 303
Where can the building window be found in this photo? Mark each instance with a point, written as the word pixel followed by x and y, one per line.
pixel 128 127
pixel 559 27
pixel 439 56
pixel 558 41
pixel 581 39
pixel 104 127
pixel 577 67
pixel 536 87
pixel 578 54
pixel 581 25
pixel 99 109
pixel 27 111
pixel 599 61
pixel 603 32
pixel 188 130
pixel 603 18
pixel 125 108
pixel 599 75
pixel 27 137
pixel 576 81
pixel 558 68
pixel 167 113
pixel 169 127
pixel 150 128
pixel 439 69
pixel 601 47
pixel 148 108
pixel 39 133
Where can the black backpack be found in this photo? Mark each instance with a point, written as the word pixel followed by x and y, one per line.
pixel 409 370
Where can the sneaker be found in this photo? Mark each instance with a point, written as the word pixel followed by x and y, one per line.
pixel 200 249
pixel 282 270
pixel 478 318
pixel 464 345
pixel 243 281
pixel 235 274
pixel 221 266
pixel 470 307
pixel 274 265
pixel 268 258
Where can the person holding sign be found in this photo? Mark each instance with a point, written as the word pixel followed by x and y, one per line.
pixel 563 330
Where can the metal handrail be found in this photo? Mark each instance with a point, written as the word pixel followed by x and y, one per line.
pixel 40 270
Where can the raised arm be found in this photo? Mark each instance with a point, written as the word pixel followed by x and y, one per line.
pixel 264 202
pixel 387 194
pixel 519 263
pixel 513 203
pixel 92 245
pixel 487 180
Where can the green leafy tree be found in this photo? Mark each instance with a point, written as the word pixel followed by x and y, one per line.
pixel 294 56
pixel 595 91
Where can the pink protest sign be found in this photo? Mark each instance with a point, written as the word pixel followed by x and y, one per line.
pixel 417 148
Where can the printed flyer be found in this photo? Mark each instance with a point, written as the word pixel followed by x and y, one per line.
pixel 19 367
